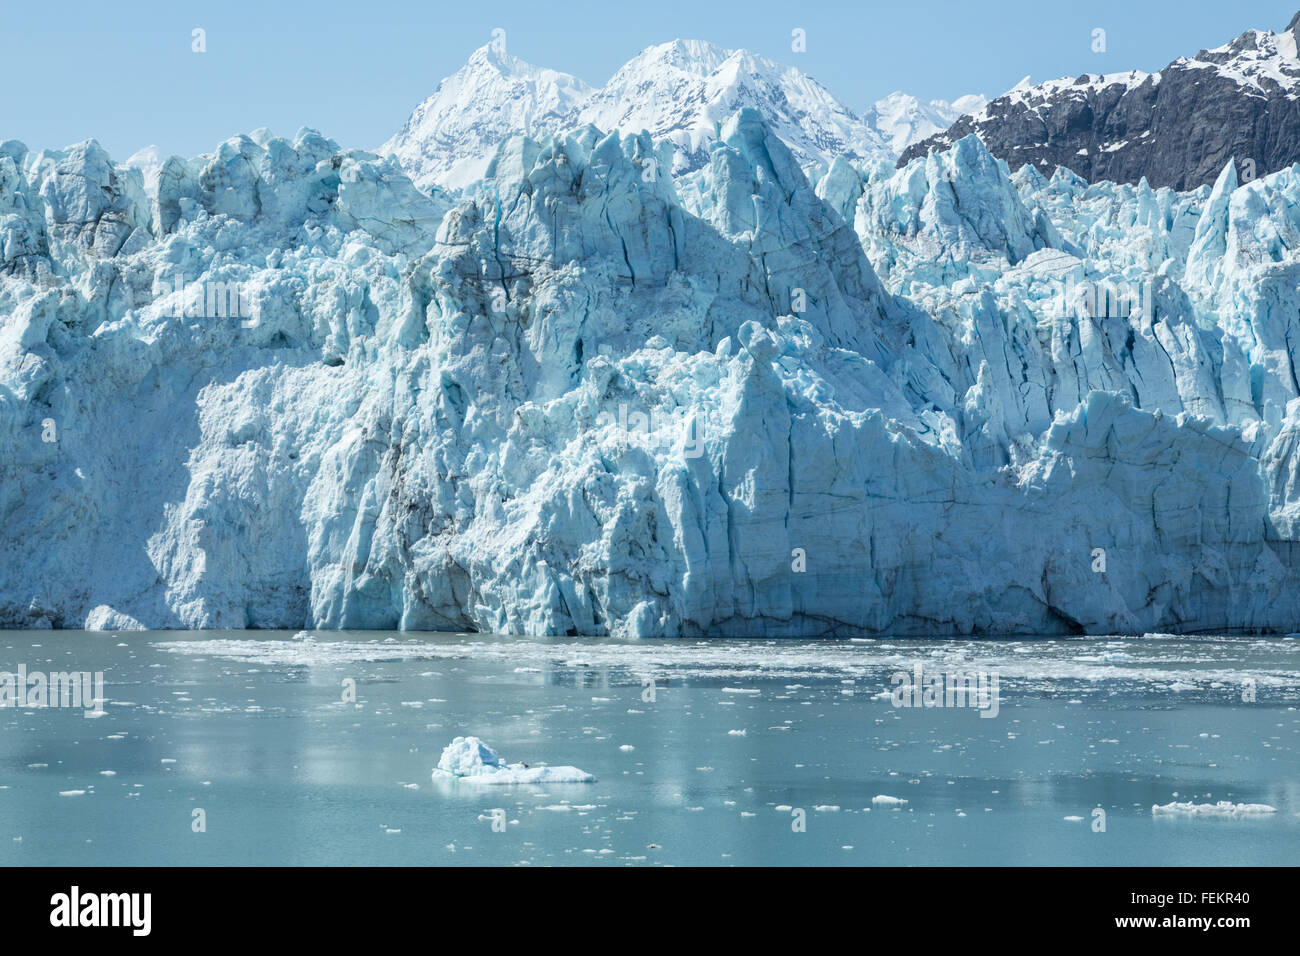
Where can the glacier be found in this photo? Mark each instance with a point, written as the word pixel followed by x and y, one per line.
pixel 758 398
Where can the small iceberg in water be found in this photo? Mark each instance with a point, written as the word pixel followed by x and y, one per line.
pixel 1224 808
pixel 471 760
pixel 884 800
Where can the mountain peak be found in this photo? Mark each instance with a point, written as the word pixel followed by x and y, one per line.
pixel 492 56
pixel 680 90
pixel 1107 131
pixel 451 136
pixel 692 56
pixel 902 119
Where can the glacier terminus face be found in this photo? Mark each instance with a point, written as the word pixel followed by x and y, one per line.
pixel 596 391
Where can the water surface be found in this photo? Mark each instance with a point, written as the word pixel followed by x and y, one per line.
pixel 708 764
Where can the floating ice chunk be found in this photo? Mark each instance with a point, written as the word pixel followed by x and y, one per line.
pixel 1224 808
pixel 884 800
pixel 466 756
pixel 518 773
pixel 105 618
pixel 472 761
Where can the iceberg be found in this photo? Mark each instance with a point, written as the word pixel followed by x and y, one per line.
pixel 470 760
pixel 104 618
pixel 1223 808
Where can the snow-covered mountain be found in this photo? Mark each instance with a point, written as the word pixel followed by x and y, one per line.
pixel 684 90
pixel 1176 127
pixel 936 399
pixel 450 137
pixel 681 92
pixel 901 119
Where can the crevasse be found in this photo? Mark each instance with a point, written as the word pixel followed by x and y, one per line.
pixel 479 411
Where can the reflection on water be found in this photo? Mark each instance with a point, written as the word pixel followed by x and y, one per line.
pixel 255 747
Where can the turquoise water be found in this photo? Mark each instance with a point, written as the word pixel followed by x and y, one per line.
pixel 707 765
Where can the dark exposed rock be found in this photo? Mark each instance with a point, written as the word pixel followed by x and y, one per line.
pixel 1178 127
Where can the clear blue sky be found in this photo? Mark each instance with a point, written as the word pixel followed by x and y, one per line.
pixel 123 72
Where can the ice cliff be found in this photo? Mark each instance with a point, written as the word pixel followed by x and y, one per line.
pixel 590 398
